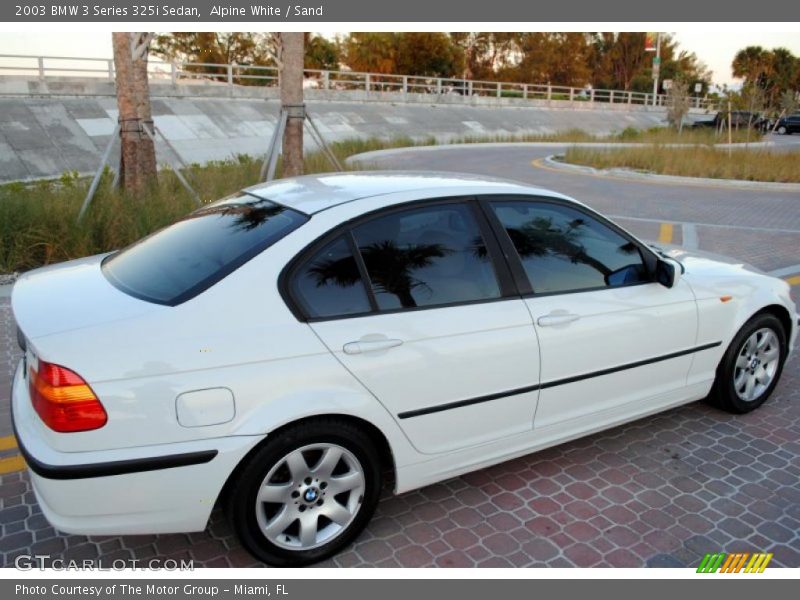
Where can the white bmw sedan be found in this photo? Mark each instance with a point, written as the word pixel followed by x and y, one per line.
pixel 284 350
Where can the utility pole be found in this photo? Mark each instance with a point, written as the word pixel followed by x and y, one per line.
pixel 656 68
pixel 291 79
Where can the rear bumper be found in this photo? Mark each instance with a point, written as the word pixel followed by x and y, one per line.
pixel 152 489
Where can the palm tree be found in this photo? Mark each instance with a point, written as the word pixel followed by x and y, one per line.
pixel 291 77
pixel 751 63
pixel 785 67
pixel 137 156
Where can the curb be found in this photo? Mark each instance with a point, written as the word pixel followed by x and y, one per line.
pixel 376 154
pixel 741 184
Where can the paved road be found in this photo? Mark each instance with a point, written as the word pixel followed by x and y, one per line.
pixel 662 491
pixel 785 142
pixel 761 227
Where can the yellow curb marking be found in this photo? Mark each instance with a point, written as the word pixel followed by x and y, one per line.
pixel 11 464
pixel 539 164
pixel 665 233
pixel 8 442
pixel 793 280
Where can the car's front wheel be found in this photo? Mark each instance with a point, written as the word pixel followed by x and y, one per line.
pixel 307 493
pixel 751 366
pixel 782 130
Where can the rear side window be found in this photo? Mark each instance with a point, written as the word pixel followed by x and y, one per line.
pixel 426 257
pixel 186 258
pixel 329 284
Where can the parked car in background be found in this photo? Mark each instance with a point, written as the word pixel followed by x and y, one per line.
pixel 278 352
pixel 739 119
pixel 789 124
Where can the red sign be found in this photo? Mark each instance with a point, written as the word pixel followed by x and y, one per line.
pixel 650 41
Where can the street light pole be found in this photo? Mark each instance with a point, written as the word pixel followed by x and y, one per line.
pixel 656 68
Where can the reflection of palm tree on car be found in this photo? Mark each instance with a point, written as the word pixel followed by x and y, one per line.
pixel 390 268
pixel 248 215
pixel 538 237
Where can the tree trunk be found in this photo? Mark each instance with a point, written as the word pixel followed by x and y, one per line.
pixel 147 150
pixel 292 54
pixel 137 155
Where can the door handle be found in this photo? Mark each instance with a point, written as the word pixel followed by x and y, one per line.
pixel 557 318
pixel 362 346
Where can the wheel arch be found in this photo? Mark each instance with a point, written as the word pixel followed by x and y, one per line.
pixel 386 456
pixel 744 317
pixel 782 314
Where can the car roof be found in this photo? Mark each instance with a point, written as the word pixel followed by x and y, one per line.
pixel 310 194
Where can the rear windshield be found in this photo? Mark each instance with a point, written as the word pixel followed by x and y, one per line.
pixel 179 262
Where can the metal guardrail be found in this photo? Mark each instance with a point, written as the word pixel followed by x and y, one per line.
pixel 231 74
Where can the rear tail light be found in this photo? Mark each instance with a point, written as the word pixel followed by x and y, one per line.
pixel 63 400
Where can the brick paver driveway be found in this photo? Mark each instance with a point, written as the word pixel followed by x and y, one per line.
pixel 662 491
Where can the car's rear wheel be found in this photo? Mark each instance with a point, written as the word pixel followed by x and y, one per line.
pixel 752 365
pixel 307 493
pixel 782 130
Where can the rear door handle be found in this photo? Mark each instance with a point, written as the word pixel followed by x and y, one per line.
pixel 362 346
pixel 557 318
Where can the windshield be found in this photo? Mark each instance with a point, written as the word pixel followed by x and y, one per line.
pixel 182 260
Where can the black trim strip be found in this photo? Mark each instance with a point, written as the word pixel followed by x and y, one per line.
pixel 633 365
pixel 532 388
pixel 107 469
pixel 469 401
pixel 117 467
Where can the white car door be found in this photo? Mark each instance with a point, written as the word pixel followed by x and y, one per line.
pixel 610 336
pixel 416 303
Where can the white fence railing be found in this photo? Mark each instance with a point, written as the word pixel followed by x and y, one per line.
pixel 43 67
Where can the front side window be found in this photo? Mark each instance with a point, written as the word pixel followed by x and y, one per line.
pixel 184 259
pixel 426 256
pixel 563 249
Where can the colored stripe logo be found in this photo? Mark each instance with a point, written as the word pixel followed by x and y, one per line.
pixel 740 562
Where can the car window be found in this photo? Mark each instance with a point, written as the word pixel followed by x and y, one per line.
pixel 426 257
pixel 563 249
pixel 184 259
pixel 329 284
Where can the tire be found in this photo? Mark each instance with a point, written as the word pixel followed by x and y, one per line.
pixel 751 366
pixel 278 531
pixel 782 130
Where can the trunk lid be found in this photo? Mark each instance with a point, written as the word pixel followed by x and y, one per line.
pixel 70 296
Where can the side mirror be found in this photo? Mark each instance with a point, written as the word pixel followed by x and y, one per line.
pixel 668 272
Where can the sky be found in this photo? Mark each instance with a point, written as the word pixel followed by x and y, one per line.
pixel 716 49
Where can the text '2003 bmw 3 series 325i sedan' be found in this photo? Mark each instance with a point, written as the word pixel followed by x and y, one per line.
pixel 284 349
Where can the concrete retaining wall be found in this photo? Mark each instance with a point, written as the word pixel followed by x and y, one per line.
pixel 204 88
pixel 44 135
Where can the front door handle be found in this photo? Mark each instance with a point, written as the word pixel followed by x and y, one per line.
pixel 367 345
pixel 557 318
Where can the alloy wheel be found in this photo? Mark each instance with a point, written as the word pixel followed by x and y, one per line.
pixel 756 364
pixel 310 496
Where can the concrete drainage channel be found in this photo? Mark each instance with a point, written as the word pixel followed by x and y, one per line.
pixel 46 136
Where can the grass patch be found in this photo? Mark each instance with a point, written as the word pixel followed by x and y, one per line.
pixel 655 135
pixel 38 220
pixel 700 161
